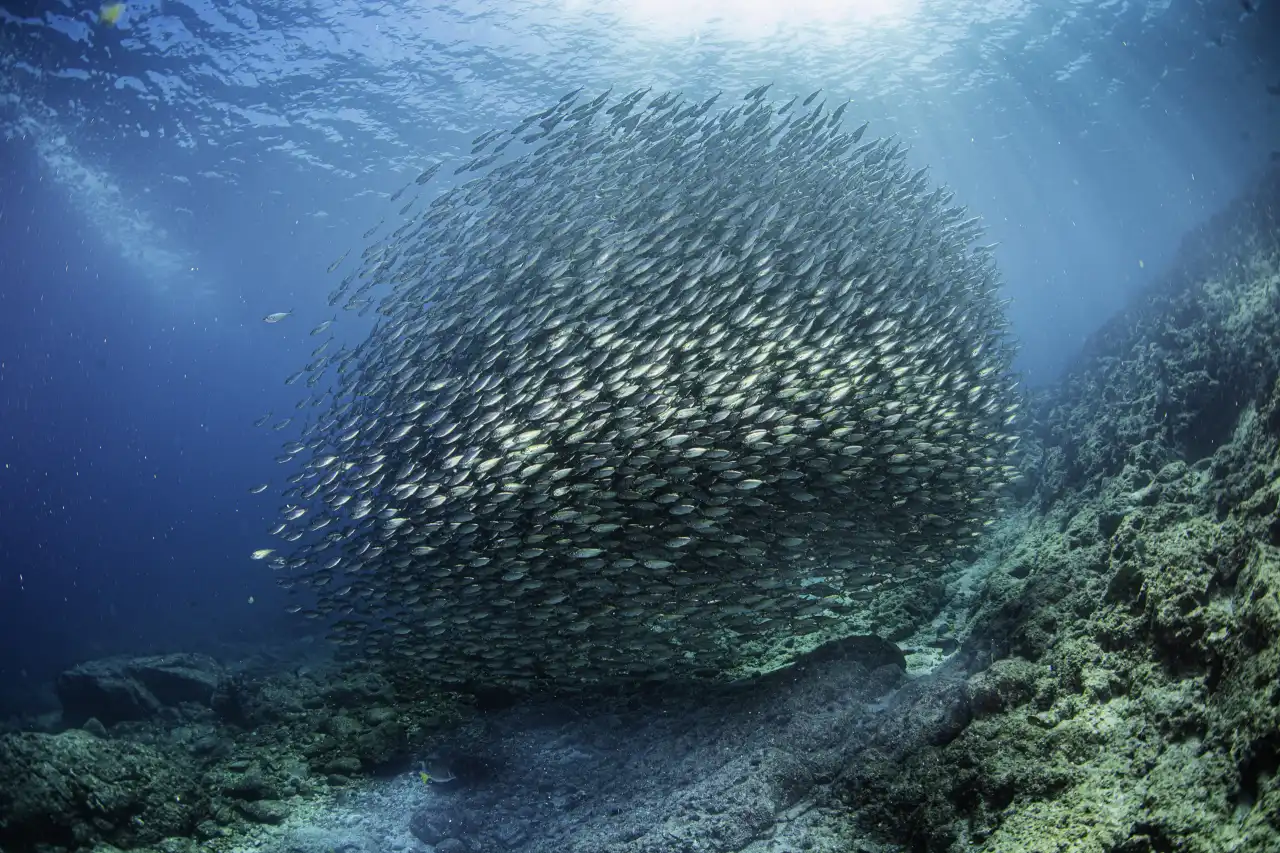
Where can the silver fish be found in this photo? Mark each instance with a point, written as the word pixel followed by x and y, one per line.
pixel 661 377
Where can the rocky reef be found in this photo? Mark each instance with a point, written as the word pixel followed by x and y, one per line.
pixel 1105 679
pixel 1124 650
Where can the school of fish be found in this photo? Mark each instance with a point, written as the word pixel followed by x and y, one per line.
pixel 663 378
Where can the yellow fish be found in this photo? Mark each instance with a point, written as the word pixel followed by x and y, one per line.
pixel 110 13
pixel 262 553
pixel 436 772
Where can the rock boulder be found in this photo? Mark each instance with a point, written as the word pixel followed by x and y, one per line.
pixel 136 688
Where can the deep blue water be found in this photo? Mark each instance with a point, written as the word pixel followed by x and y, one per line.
pixel 168 181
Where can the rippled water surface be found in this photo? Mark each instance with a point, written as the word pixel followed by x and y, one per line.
pixel 1089 134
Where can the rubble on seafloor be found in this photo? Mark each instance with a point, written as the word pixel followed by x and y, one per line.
pixel 1103 679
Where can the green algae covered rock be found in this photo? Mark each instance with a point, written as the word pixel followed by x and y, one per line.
pixel 1123 654
pixel 74 790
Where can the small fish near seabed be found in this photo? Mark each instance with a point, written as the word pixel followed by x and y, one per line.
pixel 434 771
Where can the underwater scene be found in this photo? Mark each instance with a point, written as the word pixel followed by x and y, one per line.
pixel 640 426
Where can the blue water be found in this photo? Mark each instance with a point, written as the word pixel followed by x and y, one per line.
pixel 169 180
